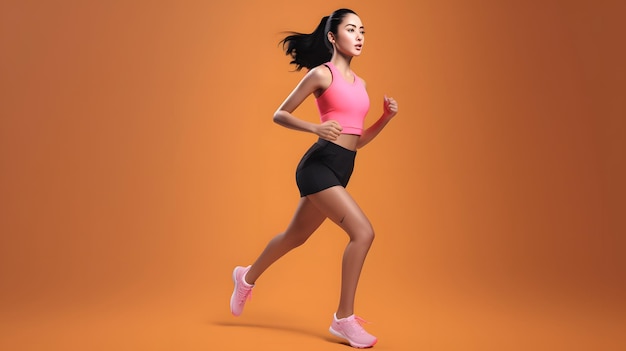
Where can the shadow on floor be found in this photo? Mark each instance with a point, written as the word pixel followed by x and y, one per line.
pixel 285 328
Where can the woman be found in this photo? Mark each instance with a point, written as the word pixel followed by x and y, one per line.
pixel 326 167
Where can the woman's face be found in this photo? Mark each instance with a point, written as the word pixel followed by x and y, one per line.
pixel 350 35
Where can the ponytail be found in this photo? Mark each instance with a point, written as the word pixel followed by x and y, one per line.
pixel 312 50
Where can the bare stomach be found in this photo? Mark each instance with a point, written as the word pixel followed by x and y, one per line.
pixel 348 141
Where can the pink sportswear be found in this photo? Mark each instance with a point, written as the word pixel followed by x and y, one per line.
pixel 345 102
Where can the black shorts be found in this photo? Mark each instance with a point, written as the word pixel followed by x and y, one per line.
pixel 324 165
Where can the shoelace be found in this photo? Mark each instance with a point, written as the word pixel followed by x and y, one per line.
pixel 356 325
pixel 361 320
pixel 244 294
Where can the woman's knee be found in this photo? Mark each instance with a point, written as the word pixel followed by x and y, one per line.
pixel 295 239
pixel 370 234
pixel 365 235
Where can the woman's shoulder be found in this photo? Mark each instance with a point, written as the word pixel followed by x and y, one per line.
pixel 321 71
pixel 321 75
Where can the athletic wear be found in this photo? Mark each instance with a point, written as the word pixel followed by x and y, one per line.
pixel 345 102
pixel 350 329
pixel 324 165
pixel 242 291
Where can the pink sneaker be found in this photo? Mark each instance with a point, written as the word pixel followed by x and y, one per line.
pixel 242 291
pixel 350 328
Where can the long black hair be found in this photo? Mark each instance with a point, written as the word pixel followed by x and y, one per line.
pixel 311 50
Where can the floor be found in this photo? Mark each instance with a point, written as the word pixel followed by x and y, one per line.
pixel 294 314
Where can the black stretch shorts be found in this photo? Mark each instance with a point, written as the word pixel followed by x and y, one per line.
pixel 324 165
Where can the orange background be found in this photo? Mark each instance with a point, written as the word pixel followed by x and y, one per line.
pixel 139 164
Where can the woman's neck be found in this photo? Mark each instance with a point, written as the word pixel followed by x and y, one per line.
pixel 342 63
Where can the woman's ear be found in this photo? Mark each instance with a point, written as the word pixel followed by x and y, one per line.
pixel 331 37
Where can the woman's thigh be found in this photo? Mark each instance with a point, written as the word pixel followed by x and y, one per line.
pixel 306 219
pixel 338 205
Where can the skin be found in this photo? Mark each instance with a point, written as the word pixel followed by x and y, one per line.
pixel 334 203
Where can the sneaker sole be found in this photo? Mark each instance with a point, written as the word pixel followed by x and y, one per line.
pixel 232 296
pixel 353 344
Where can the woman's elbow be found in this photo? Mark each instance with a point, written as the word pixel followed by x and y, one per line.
pixel 278 117
pixel 361 142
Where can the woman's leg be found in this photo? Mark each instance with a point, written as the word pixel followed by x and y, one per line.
pixel 337 204
pixel 305 221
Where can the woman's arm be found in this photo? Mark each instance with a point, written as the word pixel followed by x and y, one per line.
pixel 390 109
pixel 316 80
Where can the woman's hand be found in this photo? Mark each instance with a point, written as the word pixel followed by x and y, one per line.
pixel 390 108
pixel 329 130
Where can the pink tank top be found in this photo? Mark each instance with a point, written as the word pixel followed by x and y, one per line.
pixel 345 102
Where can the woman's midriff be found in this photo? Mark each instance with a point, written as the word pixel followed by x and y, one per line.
pixel 348 141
